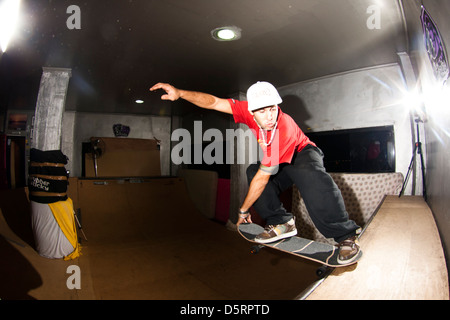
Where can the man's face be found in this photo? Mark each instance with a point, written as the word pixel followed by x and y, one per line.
pixel 266 117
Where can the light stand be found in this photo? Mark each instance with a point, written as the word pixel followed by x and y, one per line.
pixel 417 150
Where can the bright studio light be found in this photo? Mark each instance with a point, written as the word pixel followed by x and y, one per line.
pixel 433 100
pixel 9 14
pixel 413 100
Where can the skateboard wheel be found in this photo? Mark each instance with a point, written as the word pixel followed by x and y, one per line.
pixel 255 249
pixel 321 271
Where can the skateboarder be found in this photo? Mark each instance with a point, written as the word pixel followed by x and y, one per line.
pixel 289 158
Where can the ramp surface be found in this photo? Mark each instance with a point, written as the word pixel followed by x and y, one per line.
pixel 147 241
pixel 403 258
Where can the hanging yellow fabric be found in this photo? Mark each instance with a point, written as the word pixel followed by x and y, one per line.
pixel 64 215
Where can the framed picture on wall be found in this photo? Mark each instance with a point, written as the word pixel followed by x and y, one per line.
pixel 435 47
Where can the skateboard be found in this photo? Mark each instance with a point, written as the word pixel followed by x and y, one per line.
pixel 324 253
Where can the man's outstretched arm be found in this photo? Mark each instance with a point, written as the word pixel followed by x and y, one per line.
pixel 202 100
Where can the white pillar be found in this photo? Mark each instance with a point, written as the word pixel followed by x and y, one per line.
pixel 50 107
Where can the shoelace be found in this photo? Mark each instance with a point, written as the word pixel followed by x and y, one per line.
pixel 272 227
pixel 350 244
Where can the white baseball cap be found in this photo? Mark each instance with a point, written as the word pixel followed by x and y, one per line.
pixel 262 94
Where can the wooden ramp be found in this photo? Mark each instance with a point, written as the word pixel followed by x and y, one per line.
pixel 146 240
pixel 403 258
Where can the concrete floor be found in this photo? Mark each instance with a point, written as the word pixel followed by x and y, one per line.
pixel 145 241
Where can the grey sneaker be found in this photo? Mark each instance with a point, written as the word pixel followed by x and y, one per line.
pixel 274 233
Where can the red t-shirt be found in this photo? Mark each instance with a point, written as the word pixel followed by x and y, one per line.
pixel 289 137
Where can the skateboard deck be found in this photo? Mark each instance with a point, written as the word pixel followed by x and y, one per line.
pixel 324 253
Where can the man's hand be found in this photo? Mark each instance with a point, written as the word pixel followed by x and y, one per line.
pixel 172 93
pixel 244 218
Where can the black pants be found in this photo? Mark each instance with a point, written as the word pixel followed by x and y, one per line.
pixel 321 195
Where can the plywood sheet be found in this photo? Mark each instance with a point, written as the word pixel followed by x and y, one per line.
pixel 125 157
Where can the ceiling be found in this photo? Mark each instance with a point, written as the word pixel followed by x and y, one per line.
pixel 126 46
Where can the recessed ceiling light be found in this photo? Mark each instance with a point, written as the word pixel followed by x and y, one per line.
pixel 226 33
pixel 140 101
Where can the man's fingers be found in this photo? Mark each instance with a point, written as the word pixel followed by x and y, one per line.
pixel 158 86
pixel 165 87
pixel 155 87
pixel 244 220
pixel 171 92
